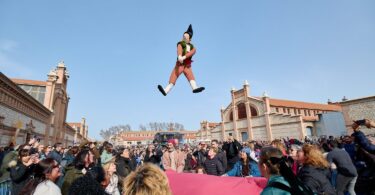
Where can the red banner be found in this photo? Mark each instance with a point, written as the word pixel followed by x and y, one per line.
pixel 197 184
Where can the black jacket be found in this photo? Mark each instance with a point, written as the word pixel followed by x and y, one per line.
pixel 317 179
pixel 200 156
pixel 124 166
pixel 222 157
pixel 155 158
pixel 213 167
pixel 20 175
pixel 236 149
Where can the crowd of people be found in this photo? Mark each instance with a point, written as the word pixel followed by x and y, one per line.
pixel 341 165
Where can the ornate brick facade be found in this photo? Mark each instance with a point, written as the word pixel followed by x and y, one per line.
pixel 41 114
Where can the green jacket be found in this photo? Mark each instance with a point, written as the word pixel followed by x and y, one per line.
pixel 71 174
pixel 9 160
pixel 273 190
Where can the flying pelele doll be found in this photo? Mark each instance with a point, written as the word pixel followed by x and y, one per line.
pixel 185 51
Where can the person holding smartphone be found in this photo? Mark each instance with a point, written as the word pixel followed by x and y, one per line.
pixel 360 137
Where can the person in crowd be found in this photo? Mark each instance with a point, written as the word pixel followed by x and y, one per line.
pixel 81 164
pixel 69 156
pixel 151 155
pixel 41 148
pixel 201 154
pixel 274 166
pixel 360 137
pixel 293 159
pixel 190 162
pixel 232 148
pixel 212 165
pixel 45 174
pixel 111 177
pixel 107 153
pixel 21 171
pixel 280 145
pixel 346 171
pixel 200 170
pixel 147 179
pixel 56 154
pixel 10 156
pixel 271 171
pixel 315 170
pixel 245 167
pixel 90 183
pixel 221 156
pixel 173 159
pixel 124 163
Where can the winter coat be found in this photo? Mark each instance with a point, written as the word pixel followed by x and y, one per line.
pixel 155 159
pixel 236 149
pixel 237 170
pixel 20 175
pixel 179 159
pixel 200 156
pixel 213 167
pixel 55 156
pixel 9 160
pixel 124 166
pixel 273 190
pixel 222 157
pixel 362 140
pixel 71 174
pixel 317 179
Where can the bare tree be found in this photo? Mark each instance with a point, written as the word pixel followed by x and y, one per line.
pixel 114 130
pixel 142 127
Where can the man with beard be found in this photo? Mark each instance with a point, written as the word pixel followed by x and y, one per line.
pixel 173 159
pixel 221 156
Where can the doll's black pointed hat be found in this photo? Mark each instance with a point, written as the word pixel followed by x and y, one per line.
pixel 190 31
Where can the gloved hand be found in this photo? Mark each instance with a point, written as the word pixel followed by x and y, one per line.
pixel 181 59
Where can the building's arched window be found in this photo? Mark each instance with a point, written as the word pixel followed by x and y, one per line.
pixel 253 111
pixel 241 111
pixel 231 116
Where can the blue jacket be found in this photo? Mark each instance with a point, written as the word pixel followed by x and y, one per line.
pixel 237 170
pixel 362 140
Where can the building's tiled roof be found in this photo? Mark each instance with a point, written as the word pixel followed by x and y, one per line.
pixel 303 105
pixel 29 82
pixel 74 124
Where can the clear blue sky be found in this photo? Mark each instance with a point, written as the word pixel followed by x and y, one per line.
pixel 117 52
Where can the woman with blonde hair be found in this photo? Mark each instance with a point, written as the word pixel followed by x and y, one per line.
pixel 148 179
pixel 111 179
pixel 315 170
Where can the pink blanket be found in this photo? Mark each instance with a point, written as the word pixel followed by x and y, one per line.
pixel 196 184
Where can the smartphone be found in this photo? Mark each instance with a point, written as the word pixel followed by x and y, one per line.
pixel 360 122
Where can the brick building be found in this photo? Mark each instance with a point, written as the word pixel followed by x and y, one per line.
pixel 36 108
pixel 264 118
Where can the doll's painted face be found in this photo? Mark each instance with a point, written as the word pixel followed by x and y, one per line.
pixel 186 37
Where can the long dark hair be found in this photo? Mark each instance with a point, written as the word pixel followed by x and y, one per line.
pixel 40 170
pixel 79 160
pixel 246 171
